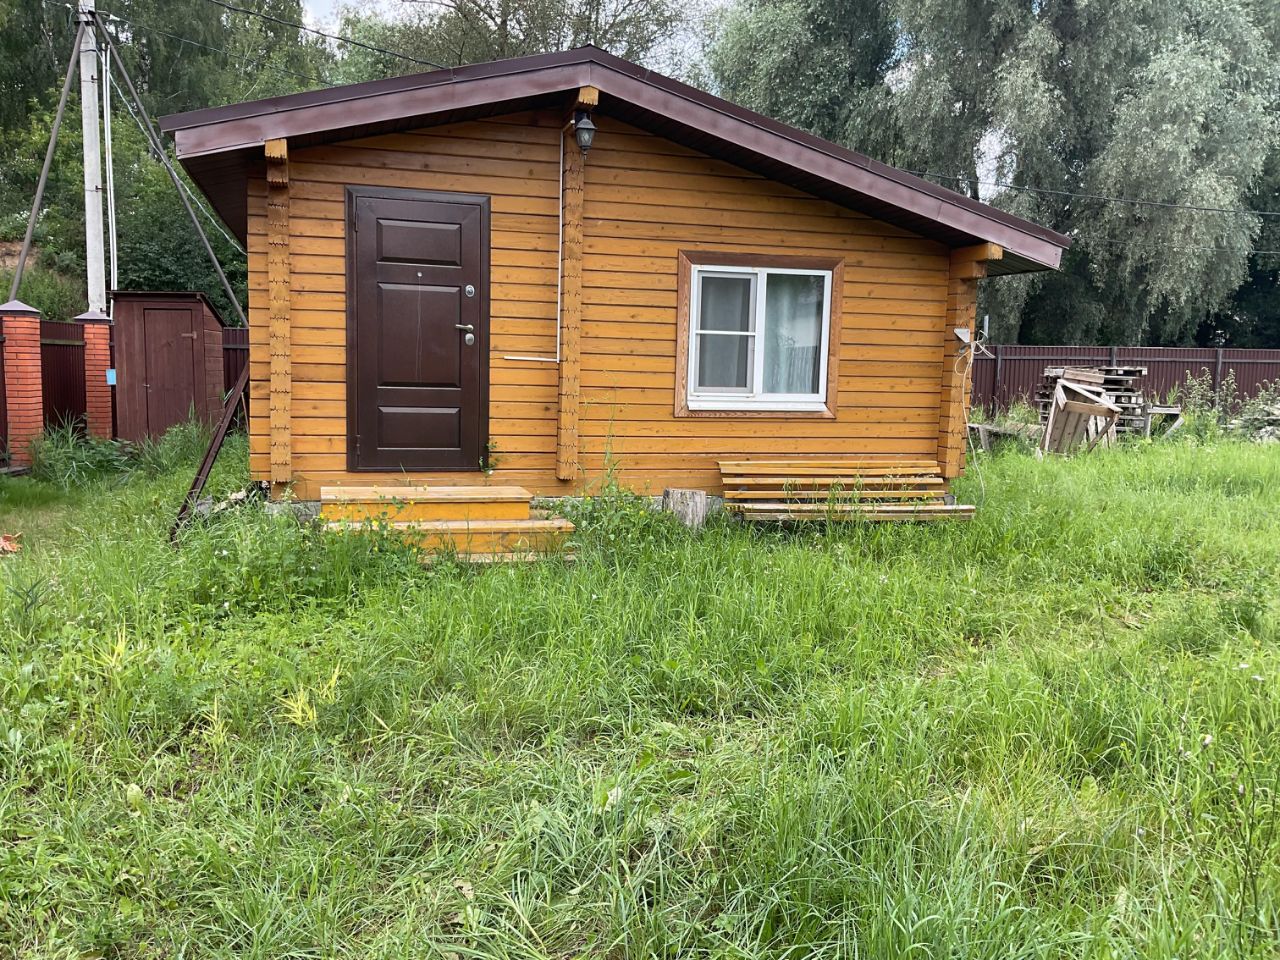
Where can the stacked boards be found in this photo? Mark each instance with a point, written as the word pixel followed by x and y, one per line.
pixel 773 490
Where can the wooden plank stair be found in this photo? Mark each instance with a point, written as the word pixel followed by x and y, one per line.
pixel 838 489
pixel 477 524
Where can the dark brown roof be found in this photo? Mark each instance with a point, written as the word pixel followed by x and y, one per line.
pixel 221 146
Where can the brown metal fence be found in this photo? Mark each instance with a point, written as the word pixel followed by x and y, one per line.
pixel 4 410
pixel 1013 371
pixel 235 354
pixel 62 372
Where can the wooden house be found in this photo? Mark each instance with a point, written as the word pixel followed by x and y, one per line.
pixel 448 291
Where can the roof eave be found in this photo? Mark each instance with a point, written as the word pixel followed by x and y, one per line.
pixel 329 115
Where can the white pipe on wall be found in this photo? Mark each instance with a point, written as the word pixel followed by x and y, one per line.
pixel 559 255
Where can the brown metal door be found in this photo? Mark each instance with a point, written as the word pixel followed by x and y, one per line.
pixel 418 330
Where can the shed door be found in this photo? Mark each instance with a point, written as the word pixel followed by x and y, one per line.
pixel 160 373
pixel 172 366
pixel 418 328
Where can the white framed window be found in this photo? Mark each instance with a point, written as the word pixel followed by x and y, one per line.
pixel 758 337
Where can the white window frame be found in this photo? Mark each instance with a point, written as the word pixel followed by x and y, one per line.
pixel 752 398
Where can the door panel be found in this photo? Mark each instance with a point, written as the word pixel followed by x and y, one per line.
pixel 418 287
pixel 434 243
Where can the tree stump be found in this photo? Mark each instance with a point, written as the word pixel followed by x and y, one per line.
pixel 689 506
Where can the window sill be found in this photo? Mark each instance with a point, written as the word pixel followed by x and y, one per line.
pixel 727 408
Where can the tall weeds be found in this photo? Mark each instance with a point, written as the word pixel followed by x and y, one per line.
pixel 1051 732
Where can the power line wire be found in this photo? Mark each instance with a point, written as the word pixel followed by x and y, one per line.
pixel 255 61
pixel 185 189
pixel 329 36
pixel 1127 243
pixel 1097 196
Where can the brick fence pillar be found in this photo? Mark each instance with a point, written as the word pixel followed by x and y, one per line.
pixel 97 359
pixel 23 391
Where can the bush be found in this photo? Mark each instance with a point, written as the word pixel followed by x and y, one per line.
pixel 66 457
pixel 56 295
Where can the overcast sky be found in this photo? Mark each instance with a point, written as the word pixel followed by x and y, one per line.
pixel 326 11
pixel 321 10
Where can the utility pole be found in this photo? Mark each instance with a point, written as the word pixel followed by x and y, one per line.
pixel 95 256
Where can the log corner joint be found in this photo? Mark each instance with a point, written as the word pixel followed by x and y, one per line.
pixel 279 315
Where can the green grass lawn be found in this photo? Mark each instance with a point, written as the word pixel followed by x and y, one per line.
pixel 1051 732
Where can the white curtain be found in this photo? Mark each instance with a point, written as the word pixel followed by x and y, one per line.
pixel 793 333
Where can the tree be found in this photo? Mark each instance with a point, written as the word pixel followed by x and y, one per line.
pixel 35 45
pixel 1040 109
pixel 180 56
pixel 452 32
pixel 819 64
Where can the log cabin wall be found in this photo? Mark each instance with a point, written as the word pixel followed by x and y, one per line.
pixel 646 199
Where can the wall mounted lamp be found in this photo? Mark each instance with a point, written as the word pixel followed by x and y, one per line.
pixel 584 131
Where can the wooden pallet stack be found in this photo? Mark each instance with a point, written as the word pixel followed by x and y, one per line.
pixel 1120 385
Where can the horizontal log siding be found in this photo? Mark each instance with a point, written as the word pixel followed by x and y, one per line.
pixel 646 198
pixel 514 161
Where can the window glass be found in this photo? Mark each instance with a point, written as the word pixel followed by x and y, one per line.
pixel 793 332
pixel 726 303
pixel 724 362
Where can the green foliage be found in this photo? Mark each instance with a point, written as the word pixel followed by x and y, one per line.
pixel 848 50
pixel 1052 730
pixel 56 295
pixel 1194 126
pixel 617 520
pixel 471 31
pixel 65 457
pixel 181 445
pixel 1213 413
pixel 1170 102
pixel 182 57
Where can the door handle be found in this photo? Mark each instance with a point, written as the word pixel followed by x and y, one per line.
pixel 469 327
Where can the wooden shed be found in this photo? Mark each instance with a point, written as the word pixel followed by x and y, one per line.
pixel 447 290
pixel 168 361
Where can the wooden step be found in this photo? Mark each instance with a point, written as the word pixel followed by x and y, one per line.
pixel 827 468
pixel 397 504
pixel 826 482
pixel 860 511
pixel 470 538
pixel 834 495
pixel 527 556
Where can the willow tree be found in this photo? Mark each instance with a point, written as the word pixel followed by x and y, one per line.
pixel 817 64
pixel 1167 101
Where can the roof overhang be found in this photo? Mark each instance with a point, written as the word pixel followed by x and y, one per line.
pixel 221 147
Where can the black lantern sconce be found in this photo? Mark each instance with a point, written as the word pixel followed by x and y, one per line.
pixel 584 131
